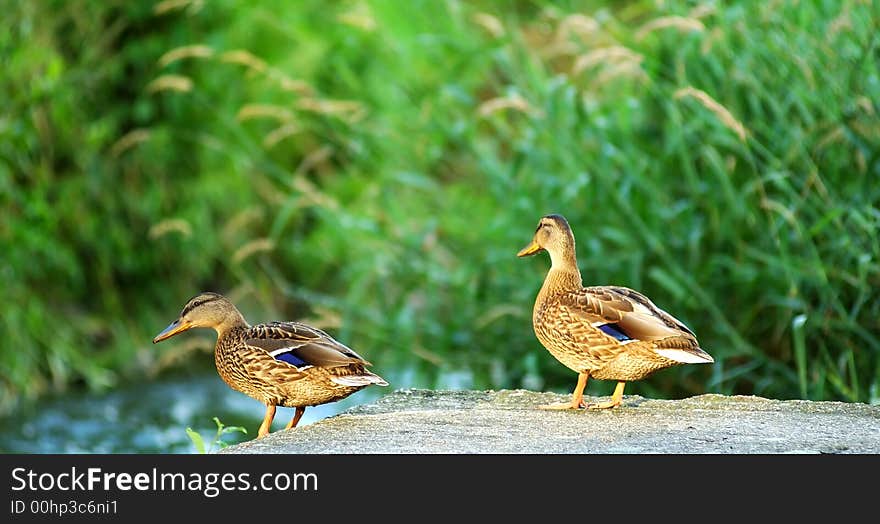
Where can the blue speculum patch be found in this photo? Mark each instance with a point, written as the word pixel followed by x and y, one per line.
pixel 290 358
pixel 614 331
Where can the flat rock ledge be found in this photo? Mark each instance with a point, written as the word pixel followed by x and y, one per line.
pixel 509 422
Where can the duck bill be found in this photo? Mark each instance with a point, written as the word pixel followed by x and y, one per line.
pixel 174 328
pixel 530 249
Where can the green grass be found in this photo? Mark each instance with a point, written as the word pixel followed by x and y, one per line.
pixel 373 167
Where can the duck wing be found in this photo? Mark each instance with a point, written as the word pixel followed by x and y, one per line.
pixel 604 319
pixel 633 312
pixel 300 345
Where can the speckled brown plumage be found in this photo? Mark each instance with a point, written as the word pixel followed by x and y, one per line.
pixel 286 364
pixel 604 332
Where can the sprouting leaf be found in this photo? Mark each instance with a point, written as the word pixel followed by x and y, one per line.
pixel 231 429
pixel 196 439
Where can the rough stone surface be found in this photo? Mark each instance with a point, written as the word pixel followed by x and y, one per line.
pixel 509 421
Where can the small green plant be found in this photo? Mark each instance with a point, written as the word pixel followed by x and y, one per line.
pixel 218 442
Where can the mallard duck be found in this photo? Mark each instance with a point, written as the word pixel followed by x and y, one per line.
pixel 603 332
pixel 278 363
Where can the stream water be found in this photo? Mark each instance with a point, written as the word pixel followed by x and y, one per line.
pixel 150 417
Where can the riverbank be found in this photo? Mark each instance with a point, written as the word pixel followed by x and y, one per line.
pixel 508 421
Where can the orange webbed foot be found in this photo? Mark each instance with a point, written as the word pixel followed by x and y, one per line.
pixel 579 404
pixel 616 398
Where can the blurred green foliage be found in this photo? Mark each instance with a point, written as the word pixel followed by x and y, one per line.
pixel 372 167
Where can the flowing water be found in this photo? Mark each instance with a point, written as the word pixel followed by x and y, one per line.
pixel 150 417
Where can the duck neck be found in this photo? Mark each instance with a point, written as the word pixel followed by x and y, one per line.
pixel 560 281
pixel 233 323
pixel 563 276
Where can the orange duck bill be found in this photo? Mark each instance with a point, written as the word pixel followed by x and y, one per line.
pixel 530 249
pixel 178 326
